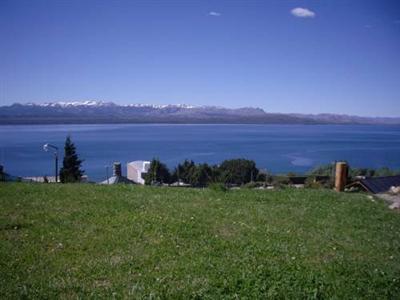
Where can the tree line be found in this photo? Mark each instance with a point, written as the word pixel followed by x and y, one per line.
pixel 231 172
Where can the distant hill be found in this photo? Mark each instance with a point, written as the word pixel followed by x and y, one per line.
pixel 108 112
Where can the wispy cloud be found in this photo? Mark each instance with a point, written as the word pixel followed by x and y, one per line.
pixel 214 14
pixel 301 12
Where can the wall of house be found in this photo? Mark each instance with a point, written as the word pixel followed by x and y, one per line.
pixel 135 170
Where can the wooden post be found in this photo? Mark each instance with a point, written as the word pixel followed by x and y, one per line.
pixel 340 176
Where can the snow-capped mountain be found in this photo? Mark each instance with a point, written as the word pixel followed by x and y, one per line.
pixel 108 112
pixel 95 103
pixel 92 103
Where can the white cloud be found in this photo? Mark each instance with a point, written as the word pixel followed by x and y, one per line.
pixel 302 12
pixel 214 14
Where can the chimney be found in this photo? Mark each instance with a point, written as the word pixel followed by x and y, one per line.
pixel 117 169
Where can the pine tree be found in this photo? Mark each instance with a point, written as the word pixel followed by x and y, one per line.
pixel 71 169
pixel 157 173
pixel 184 172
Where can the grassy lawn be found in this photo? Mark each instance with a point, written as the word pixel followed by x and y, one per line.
pixel 69 241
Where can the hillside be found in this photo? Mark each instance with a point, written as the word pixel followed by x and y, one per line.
pixel 70 241
pixel 108 112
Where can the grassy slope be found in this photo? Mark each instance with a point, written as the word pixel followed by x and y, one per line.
pixel 84 240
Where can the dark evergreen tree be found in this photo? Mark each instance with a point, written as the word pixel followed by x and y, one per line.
pixel 184 172
pixel 215 174
pixel 202 175
pixel 158 173
pixel 71 170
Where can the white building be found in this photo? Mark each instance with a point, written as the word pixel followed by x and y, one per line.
pixel 117 177
pixel 136 170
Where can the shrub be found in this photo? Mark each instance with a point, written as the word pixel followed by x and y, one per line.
pixel 238 171
pixel 324 170
pixel 311 183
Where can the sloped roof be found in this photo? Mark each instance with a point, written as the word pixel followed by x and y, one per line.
pixel 378 185
pixel 8 177
pixel 116 180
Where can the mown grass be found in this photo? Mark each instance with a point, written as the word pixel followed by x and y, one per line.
pixel 85 241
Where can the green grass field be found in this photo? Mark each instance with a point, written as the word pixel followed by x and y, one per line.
pixel 86 241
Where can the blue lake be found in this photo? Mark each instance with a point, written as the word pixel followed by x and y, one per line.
pixel 277 148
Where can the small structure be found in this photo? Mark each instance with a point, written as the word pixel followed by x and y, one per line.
pixel 40 179
pixel 117 176
pixel 49 179
pixel 180 184
pixel 377 185
pixel 137 169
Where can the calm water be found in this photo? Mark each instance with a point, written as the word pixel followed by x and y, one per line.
pixel 277 148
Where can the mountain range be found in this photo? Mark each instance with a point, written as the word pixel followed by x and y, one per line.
pixel 108 112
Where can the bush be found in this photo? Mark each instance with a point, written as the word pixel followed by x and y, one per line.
pixel 324 170
pixel 238 171
pixel 311 183
pixel 280 182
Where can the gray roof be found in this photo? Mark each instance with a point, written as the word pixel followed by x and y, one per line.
pixel 117 180
pixel 378 185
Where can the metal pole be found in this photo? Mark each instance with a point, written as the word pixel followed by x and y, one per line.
pixel 177 169
pixel 46 148
pixel 56 155
pixel 108 182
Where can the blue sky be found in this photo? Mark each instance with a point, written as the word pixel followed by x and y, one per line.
pixel 329 56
